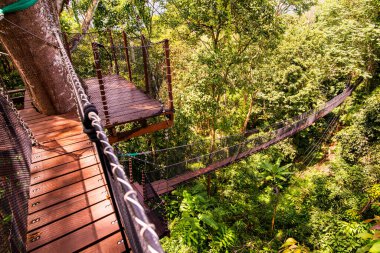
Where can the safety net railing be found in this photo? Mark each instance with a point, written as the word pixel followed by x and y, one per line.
pixel 171 166
pixel 131 215
pixel 15 161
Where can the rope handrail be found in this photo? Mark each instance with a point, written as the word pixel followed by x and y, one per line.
pixel 88 114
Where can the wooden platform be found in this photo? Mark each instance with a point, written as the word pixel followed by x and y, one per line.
pixel 69 208
pixel 125 103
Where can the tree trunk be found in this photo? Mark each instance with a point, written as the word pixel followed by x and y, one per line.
pixel 28 37
pixel 249 113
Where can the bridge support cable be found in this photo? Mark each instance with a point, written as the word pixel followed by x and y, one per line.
pixel 141 234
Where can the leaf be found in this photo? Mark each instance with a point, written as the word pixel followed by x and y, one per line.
pixel 207 219
pixel 364 249
pixel 375 248
pixel 376 226
pixel 365 235
pixel 289 242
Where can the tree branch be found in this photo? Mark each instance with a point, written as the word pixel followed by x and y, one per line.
pixel 85 25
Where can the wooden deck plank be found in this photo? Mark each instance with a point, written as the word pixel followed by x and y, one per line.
pixel 111 244
pixel 69 150
pixel 41 126
pixel 70 223
pixel 53 128
pixel 135 116
pixel 26 112
pixel 57 196
pixel 68 147
pixel 82 237
pixel 61 134
pixel 127 99
pixel 54 118
pixel 62 169
pixel 135 108
pixel 60 143
pixel 65 180
pixel 44 164
pixel 122 104
pixel 44 118
pixel 73 205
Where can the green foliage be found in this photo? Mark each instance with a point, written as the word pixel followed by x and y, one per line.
pixel 291 245
pixel 196 228
pixel 372 238
pixel 274 174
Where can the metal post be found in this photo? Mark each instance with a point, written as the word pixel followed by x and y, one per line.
pixel 169 74
pixel 130 171
pixel 127 56
pixel 100 80
pixel 113 52
pixel 145 59
pixel 67 46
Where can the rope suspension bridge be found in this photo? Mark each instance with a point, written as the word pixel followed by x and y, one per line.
pixel 163 170
pixel 75 195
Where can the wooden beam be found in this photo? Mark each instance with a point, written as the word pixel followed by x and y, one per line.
pixel 123 136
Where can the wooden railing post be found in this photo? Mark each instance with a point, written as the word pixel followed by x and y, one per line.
pixel 113 52
pixel 130 171
pixel 67 46
pixel 99 75
pixel 127 56
pixel 145 60
pixel 169 74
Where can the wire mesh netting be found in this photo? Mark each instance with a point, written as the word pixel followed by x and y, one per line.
pixel 15 159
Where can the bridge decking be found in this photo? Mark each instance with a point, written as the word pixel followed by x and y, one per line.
pixel 125 102
pixel 69 206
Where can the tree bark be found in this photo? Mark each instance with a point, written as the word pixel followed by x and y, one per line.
pixel 28 37
pixel 60 5
pixel 249 113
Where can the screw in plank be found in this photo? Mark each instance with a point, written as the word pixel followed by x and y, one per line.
pixel 36 220
pixel 35 204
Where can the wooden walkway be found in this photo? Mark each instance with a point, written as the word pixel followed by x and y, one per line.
pixel 124 102
pixel 69 208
